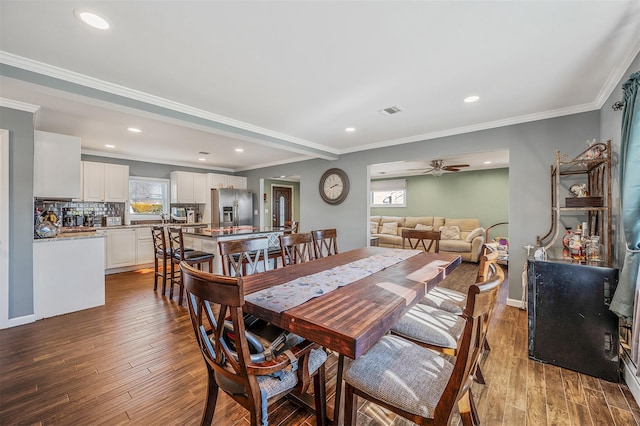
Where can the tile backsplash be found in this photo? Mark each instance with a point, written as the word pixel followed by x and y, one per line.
pixel 78 213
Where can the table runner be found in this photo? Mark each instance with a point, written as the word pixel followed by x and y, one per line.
pixel 293 293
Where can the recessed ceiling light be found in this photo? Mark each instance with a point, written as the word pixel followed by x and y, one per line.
pixel 239 150
pixel 471 99
pixel 487 162
pixel 282 177
pixel 109 146
pixel 350 129
pixel 202 159
pixel 134 130
pixel 92 19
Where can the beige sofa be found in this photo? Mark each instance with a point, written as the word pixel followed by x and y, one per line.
pixel 468 246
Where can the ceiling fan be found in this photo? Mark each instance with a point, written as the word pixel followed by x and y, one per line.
pixel 438 167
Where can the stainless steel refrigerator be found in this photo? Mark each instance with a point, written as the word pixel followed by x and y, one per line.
pixel 231 207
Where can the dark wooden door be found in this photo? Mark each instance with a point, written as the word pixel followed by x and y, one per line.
pixel 282 208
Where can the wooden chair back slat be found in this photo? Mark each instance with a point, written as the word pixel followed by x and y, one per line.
pixel 417 237
pixel 244 257
pixel 325 242
pixel 296 248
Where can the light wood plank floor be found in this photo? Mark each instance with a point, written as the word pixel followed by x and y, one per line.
pixel 135 361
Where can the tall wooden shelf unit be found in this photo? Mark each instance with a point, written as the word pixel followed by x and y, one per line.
pixel 594 164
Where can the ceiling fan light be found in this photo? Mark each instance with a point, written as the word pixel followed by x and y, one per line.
pixel 437 173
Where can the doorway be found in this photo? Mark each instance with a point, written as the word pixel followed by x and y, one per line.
pixel 282 208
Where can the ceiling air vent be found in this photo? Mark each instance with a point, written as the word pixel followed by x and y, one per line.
pixel 391 110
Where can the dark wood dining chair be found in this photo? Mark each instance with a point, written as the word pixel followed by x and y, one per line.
pixel 291 226
pixel 454 301
pixel 418 383
pixel 215 307
pixel 178 253
pixel 418 239
pixel 161 253
pixel 296 248
pixel 325 242
pixel 245 256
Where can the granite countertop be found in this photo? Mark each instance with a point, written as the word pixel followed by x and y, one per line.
pixel 79 232
pixel 214 232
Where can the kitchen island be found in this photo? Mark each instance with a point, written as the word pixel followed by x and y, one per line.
pixel 206 239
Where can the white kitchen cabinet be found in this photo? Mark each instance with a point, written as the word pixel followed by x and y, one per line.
pixel 105 182
pixel 120 247
pixel 144 246
pixel 216 180
pixel 116 183
pixel 68 275
pixel 188 188
pixel 56 166
pixel 200 190
pixel 92 181
pixel 237 182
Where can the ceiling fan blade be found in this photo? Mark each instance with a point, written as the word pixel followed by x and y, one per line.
pixel 455 166
pixel 450 169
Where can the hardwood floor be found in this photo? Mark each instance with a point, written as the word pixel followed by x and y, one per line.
pixel 135 361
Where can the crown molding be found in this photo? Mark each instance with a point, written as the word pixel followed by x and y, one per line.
pixel 478 127
pixel 22 106
pixel 616 75
pixel 115 89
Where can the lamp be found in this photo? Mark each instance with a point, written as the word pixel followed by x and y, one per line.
pixel 437 172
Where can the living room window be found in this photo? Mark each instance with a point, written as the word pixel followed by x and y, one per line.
pixel 148 198
pixel 389 193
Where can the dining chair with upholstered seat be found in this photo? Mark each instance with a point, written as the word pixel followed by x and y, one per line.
pixel 215 307
pixel 417 383
pixel 325 242
pixel 418 239
pixel 178 253
pixel 296 248
pixel 453 301
pixel 245 256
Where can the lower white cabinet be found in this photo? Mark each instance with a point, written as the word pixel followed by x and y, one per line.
pixel 121 247
pixel 144 246
pixel 68 275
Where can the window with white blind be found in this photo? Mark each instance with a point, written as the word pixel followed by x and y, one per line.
pixel 389 193
pixel 148 198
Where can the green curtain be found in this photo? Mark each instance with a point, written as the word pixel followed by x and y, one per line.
pixel 623 299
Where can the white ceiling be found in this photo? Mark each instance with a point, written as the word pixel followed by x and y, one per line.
pixel 284 79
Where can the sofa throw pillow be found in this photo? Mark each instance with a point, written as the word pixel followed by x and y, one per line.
pixel 475 233
pixel 373 227
pixel 421 227
pixel 450 232
pixel 390 228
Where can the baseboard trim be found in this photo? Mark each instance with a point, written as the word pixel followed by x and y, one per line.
pixel 630 377
pixel 516 303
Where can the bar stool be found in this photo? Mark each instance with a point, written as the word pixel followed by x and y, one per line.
pixel 161 252
pixel 178 254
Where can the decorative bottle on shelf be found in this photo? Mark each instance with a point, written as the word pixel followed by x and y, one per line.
pixel 566 240
pixel 594 249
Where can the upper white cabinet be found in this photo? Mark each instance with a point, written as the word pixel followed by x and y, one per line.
pixel 237 182
pixel 187 187
pixel 56 166
pixel 216 180
pixel 105 182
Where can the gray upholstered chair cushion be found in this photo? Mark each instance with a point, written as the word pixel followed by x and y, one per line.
pixel 445 299
pixel 430 325
pixel 402 374
pixel 276 385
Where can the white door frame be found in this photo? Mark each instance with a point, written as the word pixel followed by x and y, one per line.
pixel 4 228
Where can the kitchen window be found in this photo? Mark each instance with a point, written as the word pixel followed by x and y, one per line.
pixel 148 198
pixel 389 193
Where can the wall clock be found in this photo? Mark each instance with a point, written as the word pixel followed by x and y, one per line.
pixel 334 186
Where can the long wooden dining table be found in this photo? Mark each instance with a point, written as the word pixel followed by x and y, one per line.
pixel 351 319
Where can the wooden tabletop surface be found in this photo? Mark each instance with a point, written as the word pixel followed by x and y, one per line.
pixel 352 318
